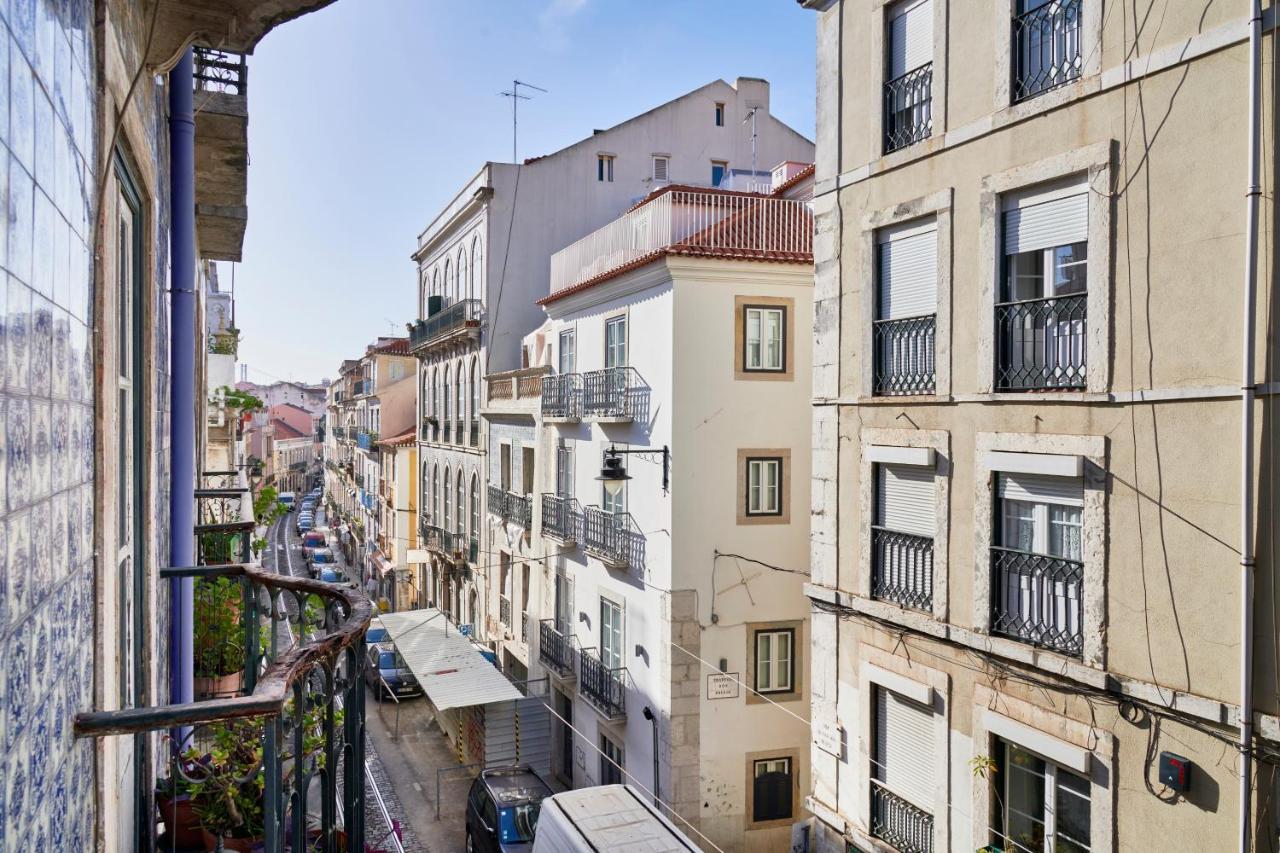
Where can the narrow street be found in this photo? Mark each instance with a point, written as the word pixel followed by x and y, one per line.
pixel 402 755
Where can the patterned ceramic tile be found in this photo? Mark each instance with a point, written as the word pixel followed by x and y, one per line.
pixel 41 450
pixel 18 337
pixel 41 554
pixel 16 785
pixel 41 347
pixel 4 468
pixel 18 452
pixel 48 31
pixel 4 606
pixel 61 362
pixel 61 257
pixel 77 352
pixel 17 685
pixel 59 440
pixel 42 260
pixel 22 20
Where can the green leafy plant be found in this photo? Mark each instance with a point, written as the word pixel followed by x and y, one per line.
pixel 217 632
pixel 226 342
pixel 233 398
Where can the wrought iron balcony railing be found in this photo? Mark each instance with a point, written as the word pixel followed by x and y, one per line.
pixel 904 361
pixel 289 744
pixel 562 396
pixel 220 71
pixel 554 649
pixel 1036 598
pixel 613 537
pixel 603 687
pixel 561 518
pixel 504 610
pixel 901 824
pixel 510 507
pixel 1041 343
pixel 1046 44
pixel 908 108
pixel 615 392
pixel 902 568
pixel 361 387
pixel 430 429
pixel 465 314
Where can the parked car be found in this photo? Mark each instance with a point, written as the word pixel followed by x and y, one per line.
pixel 308 505
pixel 603 817
pixel 288 499
pixel 306 522
pixel 503 808
pixel 387 673
pixel 320 559
pixel 312 539
pixel 377 632
pixel 332 576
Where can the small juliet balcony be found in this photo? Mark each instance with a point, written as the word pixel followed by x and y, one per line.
pixel 504 611
pixel 604 687
pixel 562 398
pixel 614 538
pixel 895 820
pixel 615 395
pixel 458 322
pixel 222 152
pixel 452 545
pixel 555 650
pixel 561 518
pixel 511 508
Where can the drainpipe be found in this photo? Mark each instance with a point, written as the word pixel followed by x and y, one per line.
pixel 182 372
pixel 1246 426
pixel 653 719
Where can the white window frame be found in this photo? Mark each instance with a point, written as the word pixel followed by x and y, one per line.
pixel 1089 81
pixel 1048 805
pixel 665 160
pixel 720 114
pixel 613 658
pixel 615 351
pixel 763 499
pixel 773 664
pixel 567 356
pixel 762 362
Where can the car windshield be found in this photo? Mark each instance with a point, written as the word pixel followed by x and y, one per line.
pixel 376 635
pixel 321 557
pixel 390 660
pixel 516 823
pixel 329 577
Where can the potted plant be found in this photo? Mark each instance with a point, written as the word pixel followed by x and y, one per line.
pixel 227 795
pixel 177 810
pixel 218 637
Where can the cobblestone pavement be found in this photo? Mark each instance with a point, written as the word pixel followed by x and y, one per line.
pixel 284 555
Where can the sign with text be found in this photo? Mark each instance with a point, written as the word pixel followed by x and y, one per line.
pixel 722 685
pixel 418 555
pixel 829 738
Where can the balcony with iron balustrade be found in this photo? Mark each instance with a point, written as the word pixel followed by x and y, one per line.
pixel 561 518
pixel 555 650
pixel 614 538
pixel 1036 598
pixel 900 823
pixel 457 323
pixel 603 687
pixel 504 611
pixel 902 568
pixel 510 507
pixel 615 395
pixel 562 398
pixel 221 79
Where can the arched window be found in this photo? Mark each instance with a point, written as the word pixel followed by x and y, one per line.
pixel 448 283
pixel 460 527
pixel 464 290
pixel 475 507
pixel 424 291
pixel 444 516
pixel 475 400
pixel 444 405
pixel 477 270
pixel 435 495
pixel 435 283
pixel 461 412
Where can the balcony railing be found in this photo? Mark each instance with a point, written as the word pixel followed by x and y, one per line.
pixel 513 508
pixel 460 315
pixel 430 429
pixel 367 439
pixel 1036 598
pixel 562 396
pixel 904 826
pixel 361 387
pixel 689 222
pixel 220 71
pixel 554 649
pixel 902 568
pixel 288 744
pixel 904 361
pixel 561 518
pixel 615 392
pixel 1041 343
pixel 908 108
pixel 1046 43
pixel 613 537
pixel 603 687
pixel 504 610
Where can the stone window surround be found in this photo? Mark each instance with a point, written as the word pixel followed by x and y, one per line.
pixel 799 644
pixel 1093 450
pixel 740 304
pixel 940 442
pixel 1095 161
pixel 889 670
pixel 937 205
pixel 744 455
pixel 797 797
pixel 1062 732
pixel 937 92
pixel 1087 83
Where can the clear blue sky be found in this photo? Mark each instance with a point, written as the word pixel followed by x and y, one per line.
pixel 367 116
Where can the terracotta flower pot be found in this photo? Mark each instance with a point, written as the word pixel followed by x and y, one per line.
pixel 180 819
pixel 218 685
pixel 240 845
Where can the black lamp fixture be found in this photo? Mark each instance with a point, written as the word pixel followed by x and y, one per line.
pixel 614 476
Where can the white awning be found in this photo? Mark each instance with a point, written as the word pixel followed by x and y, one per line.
pixel 448 666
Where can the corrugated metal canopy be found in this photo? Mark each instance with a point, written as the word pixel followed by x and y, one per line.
pixel 450 669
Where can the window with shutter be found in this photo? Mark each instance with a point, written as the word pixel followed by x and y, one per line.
pixel 902 532
pixel 910 36
pixel 908 90
pixel 771 789
pixel 902 777
pixel 906 309
pixel 660 168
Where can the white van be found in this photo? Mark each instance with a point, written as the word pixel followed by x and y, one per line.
pixel 606 818
pixel 289 499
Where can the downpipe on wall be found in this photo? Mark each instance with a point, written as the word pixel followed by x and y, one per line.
pixel 1246 427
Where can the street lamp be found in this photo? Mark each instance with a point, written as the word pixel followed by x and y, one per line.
pixel 613 476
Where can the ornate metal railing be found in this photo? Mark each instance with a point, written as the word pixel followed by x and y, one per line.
pixel 904 361
pixel 613 537
pixel 603 687
pixel 1046 45
pixel 1036 598
pixel 902 568
pixel 220 71
pixel 554 649
pixel 466 313
pixel 562 396
pixel 908 108
pixel 1041 343
pixel 504 610
pixel 561 518
pixel 893 819
pixel 615 392
pixel 517 509
pixel 291 748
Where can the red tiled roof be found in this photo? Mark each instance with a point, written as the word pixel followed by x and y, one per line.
pixel 395 346
pixel 404 439
pixel 281 429
pixel 799 176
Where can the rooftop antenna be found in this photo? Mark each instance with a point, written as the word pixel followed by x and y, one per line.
pixel 751 114
pixel 516 97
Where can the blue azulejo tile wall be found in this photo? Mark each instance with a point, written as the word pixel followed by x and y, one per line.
pixel 46 422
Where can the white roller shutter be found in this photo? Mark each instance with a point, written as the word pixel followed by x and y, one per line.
pixel 910 36
pixel 1064 491
pixel 1055 215
pixel 906 500
pixel 904 759
pixel 908 272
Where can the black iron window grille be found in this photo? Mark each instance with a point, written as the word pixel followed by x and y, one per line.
pixel 893 819
pixel 904 360
pixel 1036 598
pixel 1041 343
pixel 603 687
pixel 902 568
pixel 220 71
pixel 908 108
pixel 1046 44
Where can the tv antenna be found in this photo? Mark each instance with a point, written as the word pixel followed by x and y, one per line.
pixel 516 98
pixel 751 114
